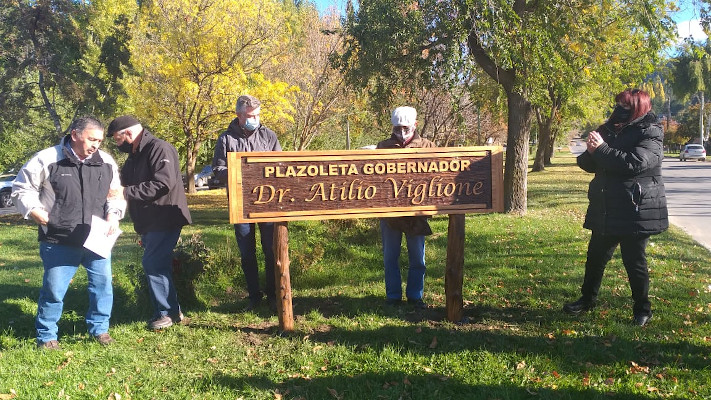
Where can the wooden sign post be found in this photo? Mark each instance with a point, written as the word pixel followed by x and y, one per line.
pixel 288 186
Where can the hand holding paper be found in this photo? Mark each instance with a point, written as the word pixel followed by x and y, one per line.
pixel 102 236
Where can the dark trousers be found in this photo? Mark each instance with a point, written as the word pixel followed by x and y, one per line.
pixel 247 243
pixel 634 257
pixel 158 267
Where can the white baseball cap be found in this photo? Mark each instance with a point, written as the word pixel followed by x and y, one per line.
pixel 404 116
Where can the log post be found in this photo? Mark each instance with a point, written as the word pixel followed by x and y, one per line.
pixel 281 275
pixel 454 274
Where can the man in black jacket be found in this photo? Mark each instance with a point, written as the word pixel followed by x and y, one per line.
pixel 156 199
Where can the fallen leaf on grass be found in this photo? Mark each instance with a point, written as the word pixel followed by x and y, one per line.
pixel 521 365
pixel 7 396
pixel 610 381
pixel 638 369
pixel 555 374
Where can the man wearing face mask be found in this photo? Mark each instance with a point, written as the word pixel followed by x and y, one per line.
pixel 404 135
pixel 246 134
pixel 156 199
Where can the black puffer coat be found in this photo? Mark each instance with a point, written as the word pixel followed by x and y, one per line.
pixel 627 193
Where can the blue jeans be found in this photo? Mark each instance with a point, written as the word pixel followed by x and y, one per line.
pixel 60 264
pixel 247 243
pixel 392 242
pixel 158 267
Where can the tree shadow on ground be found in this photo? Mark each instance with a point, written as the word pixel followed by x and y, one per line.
pixel 399 384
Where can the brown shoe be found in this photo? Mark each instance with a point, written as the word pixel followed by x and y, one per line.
pixel 104 339
pixel 159 323
pixel 49 345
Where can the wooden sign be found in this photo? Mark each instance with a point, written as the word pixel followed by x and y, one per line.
pixel 288 186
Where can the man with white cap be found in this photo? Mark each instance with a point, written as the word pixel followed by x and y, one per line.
pixel 158 207
pixel 404 135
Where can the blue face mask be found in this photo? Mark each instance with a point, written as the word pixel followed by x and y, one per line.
pixel 251 124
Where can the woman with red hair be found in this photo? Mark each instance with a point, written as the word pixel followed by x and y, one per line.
pixel 626 197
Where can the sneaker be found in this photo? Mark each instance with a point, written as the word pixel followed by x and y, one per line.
pixel 159 323
pixel 49 345
pixel 417 303
pixel 578 306
pixel 104 339
pixel 642 319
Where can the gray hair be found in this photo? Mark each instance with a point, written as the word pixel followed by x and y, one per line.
pixel 86 122
pixel 246 101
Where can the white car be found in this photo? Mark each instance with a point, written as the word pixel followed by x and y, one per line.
pixel 693 152
pixel 6 190
pixel 201 177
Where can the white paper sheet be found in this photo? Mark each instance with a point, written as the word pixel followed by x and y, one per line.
pixel 98 241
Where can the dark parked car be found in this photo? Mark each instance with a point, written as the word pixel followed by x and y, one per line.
pixel 6 190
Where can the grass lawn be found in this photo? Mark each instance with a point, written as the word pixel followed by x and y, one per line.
pixel 515 342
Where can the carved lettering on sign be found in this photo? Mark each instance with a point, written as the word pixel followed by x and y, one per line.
pixel 272 186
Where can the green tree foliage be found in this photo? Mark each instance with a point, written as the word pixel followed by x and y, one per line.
pixel 691 77
pixel 393 44
pixel 321 96
pixel 194 58
pixel 54 65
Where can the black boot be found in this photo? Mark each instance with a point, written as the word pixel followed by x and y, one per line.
pixel 578 306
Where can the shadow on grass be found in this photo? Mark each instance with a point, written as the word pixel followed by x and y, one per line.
pixel 400 384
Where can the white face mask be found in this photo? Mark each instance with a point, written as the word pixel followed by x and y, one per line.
pixel 252 123
pixel 404 133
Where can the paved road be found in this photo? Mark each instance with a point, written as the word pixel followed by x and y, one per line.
pixel 688 187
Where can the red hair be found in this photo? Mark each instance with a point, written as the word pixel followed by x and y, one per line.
pixel 637 100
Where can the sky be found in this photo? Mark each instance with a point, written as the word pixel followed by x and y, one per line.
pixel 687 18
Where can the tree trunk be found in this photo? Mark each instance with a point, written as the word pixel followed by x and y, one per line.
pixel 193 149
pixel 544 137
pixel 516 170
pixel 668 113
pixel 50 108
pixel 551 148
pixel 701 118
